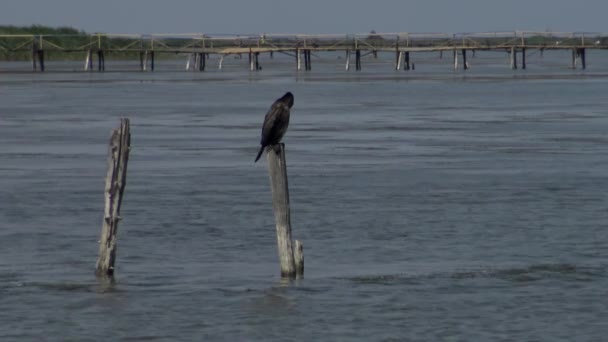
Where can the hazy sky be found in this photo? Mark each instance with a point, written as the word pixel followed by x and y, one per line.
pixel 309 16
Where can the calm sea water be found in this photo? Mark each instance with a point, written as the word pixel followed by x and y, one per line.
pixel 433 205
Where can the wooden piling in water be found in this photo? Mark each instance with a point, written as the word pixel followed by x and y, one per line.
pixel 152 60
pixel 347 60
pixel 141 61
pixel 277 170
pixel 118 157
pixel 358 60
pixel 573 62
pixel 34 55
pixel 455 59
pixel 41 59
pixel 219 67
pixel 523 58
pixel 513 58
pixel 465 65
pixel 100 61
pixel 406 63
pixel 298 59
pixel 582 54
pixel 257 62
pixel 88 65
pixel 298 255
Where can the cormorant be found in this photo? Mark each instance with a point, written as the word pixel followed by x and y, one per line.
pixel 275 122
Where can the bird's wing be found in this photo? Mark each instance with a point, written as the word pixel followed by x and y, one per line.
pixel 275 123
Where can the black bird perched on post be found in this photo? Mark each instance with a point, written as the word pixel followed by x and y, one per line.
pixel 275 122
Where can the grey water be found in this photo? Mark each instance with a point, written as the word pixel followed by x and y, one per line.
pixel 433 205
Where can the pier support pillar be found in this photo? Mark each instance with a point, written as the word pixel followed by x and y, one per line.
pixel 347 60
pixel 573 62
pixel 141 61
pixel 219 67
pixel 298 60
pixel 398 61
pixel 523 58
pixel 101 61
pixel 455 59
pixel 151 60
pixel 406 63
pixel 307 60
pixel 41 59
pixel 88 64
pixel 581 54
pixel 513 58
pixel 257 62
pixel 34 55
pixel 465 64
pixel 358 60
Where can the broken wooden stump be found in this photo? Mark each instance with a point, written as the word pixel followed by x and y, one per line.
pixel 118 157
pixel 292 262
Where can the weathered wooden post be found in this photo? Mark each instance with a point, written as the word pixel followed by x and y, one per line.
pixel 118 157
pixel 141 61
pixel 100 61
pixel 406 63
pixel 513 58
pixel 358 60
pixel 347 66
pixel 523 58
pixel 34 53
pixel 465 66
pixel 581 53
pixel 455 59
pixel 573 66
pixel 298 59
pixel 291 261
pixel 41 59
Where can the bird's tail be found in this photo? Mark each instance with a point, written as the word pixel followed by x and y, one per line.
pixel 259 153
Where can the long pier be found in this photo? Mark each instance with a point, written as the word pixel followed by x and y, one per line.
pixel 147 47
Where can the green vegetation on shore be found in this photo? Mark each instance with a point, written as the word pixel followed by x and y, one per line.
pixel 39 29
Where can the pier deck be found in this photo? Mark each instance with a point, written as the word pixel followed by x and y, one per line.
pixel 147 46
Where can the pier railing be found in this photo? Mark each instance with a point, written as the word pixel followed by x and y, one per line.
pixel 199 46
pixel 199 42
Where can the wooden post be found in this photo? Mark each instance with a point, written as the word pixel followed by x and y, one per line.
pixel 398 61
pixel 221 62
pixel 145 60
pixel 141 61
pixel 34 54
pixel 152 60
pixel 582 53
pixel 573 66
pixel 41 59
pixel 523 58
pixel 250 55
pixel 277 170
pixel 118 157
pixel 88 66
pixel 347 60
pixel 406 63
pixel 257 62
pixel 358 60
pixel 455 59
pixel 298 59
pixel 99 60
pixel 465 66
pixel 513 58
pixel 298 255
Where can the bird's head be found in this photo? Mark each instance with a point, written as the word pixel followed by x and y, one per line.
pixel 287 99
